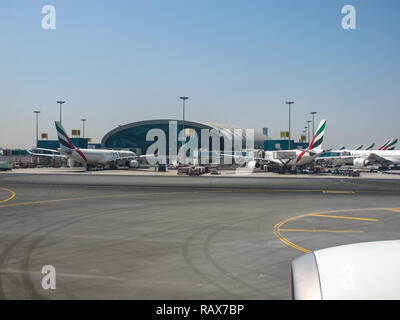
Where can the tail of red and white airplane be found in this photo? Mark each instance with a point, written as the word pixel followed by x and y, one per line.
pixel 385 144
pixel 316 142
pixel 66 145
pixel 391 145
pixel 65 141
pixel 315 146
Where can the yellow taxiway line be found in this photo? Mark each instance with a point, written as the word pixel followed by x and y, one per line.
pixel 325 214
pixel 321 230
pixel 338 192
pixel 10 197
pixel 342 217
pixel 88 198
pixel 196 190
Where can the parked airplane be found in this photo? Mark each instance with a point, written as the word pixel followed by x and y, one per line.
pixel 389 145
pixel 290 159
pixel 91 157
pixel 384 157
pixel 362 146
pixel 370 147
pixel 385 144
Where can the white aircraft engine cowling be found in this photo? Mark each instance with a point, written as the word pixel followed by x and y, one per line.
pixel 359 271
pixel 359 162
pixel 133 164
pixel 253 164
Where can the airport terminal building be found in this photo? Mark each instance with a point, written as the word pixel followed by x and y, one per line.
pixel 132 136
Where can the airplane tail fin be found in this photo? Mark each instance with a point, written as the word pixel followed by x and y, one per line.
pixel 316 143
pixel 391 145
pixel 385 144
pixel 65 141
pixel 370 147
pixel 342 148
pixel 360 147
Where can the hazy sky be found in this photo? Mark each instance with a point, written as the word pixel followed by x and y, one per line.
pixel 116 62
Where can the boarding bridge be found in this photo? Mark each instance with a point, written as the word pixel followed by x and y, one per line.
pixel 284 155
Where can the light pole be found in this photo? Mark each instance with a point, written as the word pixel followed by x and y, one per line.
pixel 183 123
pixel 289 103
pixel 37 127
pixel 308 126
pixel 83 125
pixel 60 103
pixel 313 113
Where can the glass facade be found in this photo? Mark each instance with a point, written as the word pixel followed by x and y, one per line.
pixel 55 144
pixel 133 136
pixel 272 145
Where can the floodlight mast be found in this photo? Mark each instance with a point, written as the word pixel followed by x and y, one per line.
pixel 289 103
pixel 60 103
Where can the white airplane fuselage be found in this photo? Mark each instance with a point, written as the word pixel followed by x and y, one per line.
pixel 347 157
pixel 392 156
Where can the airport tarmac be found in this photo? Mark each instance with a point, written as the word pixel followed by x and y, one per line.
pixel 364 174
pixel 170 237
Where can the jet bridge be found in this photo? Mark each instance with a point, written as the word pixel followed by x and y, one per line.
pixel 284 155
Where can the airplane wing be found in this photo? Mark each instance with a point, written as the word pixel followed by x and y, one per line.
pixel 244 159
pixel 313 152
pixel 44 149
pixel 374 157
pixel 136 157
pixel 240 157
pixel 46 155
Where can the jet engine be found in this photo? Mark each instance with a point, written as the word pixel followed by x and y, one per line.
pixel 133 164
pixel 253 165
pixel 359 271
pixel 359 162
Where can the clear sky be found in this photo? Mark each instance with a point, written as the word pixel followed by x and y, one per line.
pixel 116 62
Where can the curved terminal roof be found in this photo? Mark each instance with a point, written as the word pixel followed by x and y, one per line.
pixel 226 130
